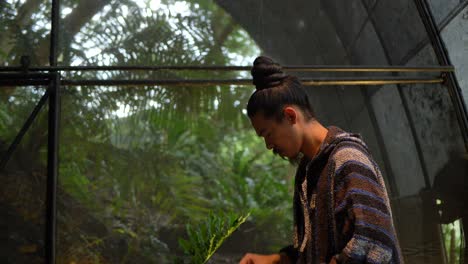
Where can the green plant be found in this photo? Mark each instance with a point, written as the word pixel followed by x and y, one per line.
pixel 205 239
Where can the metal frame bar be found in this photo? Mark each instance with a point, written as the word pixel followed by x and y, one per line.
pixel 53 140
pixel 308 82
pixel 24 79
pixel 443 58
pixel 294 68
pixel 204 82
pixel 52 168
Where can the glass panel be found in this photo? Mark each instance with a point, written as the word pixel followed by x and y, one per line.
pixel 139 163
pixel 456 39
pixel 17 104
pixel 432 141
pixel 414 136
pixel 153 32
pixel 22 182
pixel 443 153
pixel 442 10
pixel 25 27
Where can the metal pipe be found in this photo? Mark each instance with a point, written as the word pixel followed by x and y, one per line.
pixel 200 82
pixel 53 135
pixel 368 69
pixel 54 33
pixel 24 79
pixel 206 82
pixel 24 76
pixel 23 131
pixel 442 56
pixel 295 68
pixel 373 82
pixel 52 168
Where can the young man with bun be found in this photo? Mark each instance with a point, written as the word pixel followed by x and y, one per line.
pixel 341 209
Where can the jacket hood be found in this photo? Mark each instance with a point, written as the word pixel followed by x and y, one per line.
pixel 334 136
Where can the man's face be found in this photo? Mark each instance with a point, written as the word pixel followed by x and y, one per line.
pixel 280 136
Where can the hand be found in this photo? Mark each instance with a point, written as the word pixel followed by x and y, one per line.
pixel 250 258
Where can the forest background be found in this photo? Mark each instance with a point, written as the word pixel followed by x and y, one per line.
pixel 137 163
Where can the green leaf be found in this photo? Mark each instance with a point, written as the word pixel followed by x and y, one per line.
pixel 210 235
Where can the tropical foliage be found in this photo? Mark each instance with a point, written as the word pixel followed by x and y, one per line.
pixel 139 163
pixel 205 239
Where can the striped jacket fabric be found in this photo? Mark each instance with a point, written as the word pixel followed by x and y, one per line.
pixel 341 206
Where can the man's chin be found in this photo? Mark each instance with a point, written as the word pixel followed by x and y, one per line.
pixel 291 158
pixel 295 159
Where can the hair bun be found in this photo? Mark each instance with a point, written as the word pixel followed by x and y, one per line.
pixel 266 73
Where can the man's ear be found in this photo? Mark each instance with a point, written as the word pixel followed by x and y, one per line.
pixel 290 114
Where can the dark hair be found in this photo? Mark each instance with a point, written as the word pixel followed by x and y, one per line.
pixel 274 90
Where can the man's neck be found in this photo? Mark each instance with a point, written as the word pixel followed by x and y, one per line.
pixel 314 135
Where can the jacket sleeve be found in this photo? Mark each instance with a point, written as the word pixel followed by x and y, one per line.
pixel 362 211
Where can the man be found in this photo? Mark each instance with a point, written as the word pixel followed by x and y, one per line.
pixel 341 208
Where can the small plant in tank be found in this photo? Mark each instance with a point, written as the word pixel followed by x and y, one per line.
pixel 204 239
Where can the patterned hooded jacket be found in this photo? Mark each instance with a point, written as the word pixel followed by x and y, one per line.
pixel 341 206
